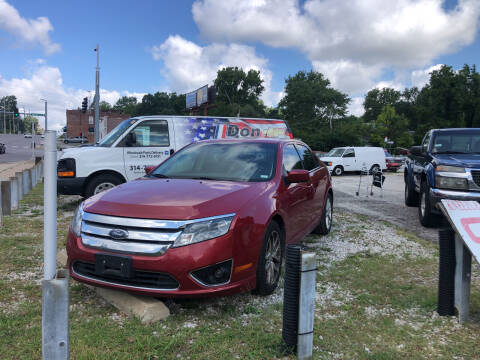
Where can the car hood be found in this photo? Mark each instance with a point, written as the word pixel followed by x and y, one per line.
pixel 174 199
pixel 328 158
pixel 465 160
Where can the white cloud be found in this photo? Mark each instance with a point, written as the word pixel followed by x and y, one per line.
pixel 188 66
pixel 34 31
pixel 355 107
pixel 46 83
pixel 341 37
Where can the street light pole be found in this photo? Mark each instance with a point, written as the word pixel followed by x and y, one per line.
pixel 97 96
pixel 4 121
pixel 46 121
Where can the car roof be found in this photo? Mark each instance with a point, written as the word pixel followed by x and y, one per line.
pixel 252 140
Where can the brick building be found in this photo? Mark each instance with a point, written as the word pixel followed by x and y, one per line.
pixel 79 123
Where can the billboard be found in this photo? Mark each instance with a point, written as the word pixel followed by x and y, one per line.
pixel 191 100
pixel 202 95
pixel 197 97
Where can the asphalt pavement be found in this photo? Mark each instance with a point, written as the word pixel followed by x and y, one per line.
pixel 389 206
pixel 19 148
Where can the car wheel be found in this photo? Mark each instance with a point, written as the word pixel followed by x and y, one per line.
pixel 65 141
pixel 327 216
pixel 101 183
pixel 374 169
pixel 425 215
pixel 411 197
pixel 270 260
pixel 338 171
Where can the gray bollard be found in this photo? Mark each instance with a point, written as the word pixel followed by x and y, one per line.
pixel 14 192
pixel 19 176
pixel 55 303
pixel 306 311
pixel 27 185
pixel 6 198
pixel 33 177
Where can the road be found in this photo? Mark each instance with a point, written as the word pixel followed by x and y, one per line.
pixel 19 148
pixel 390 207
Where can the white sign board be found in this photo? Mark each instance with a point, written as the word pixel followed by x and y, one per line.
pixel 465 218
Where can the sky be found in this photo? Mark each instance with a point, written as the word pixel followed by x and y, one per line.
pixel 47 46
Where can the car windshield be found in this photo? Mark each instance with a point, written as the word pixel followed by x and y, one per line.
pixel 113 135
pixel 221 161
pixel 457 142
pixel 337 152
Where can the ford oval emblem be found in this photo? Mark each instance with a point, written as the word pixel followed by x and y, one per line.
pixel 118 234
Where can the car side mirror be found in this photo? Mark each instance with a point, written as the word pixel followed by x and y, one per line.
pixel 131 139
pixel 416 150
pixel 298 176
pixel 149 169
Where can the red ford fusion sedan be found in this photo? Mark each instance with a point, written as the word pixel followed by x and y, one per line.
pixel 211 220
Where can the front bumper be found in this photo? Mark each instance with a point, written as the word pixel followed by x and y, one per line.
pixel 70 186
pixel 178 263
pixel 436 195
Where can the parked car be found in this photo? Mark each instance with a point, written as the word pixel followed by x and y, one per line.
pixel 362 158
pixel 123 153
pixel 27 136
pixel 445 166
pixel 211 220
pixel 3 148
pixel 393 162
pixel 76 140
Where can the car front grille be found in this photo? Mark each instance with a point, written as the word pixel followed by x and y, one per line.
pixel 129 235
pixel 476 177
pixel 140 279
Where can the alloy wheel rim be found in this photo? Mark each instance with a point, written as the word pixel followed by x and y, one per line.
pixel 338 171
pixel 273 255
pixel 328 214
pixel 102 187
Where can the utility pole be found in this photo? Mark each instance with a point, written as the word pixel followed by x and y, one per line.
pixel 97 97
pixel 46 126
pixel 4 121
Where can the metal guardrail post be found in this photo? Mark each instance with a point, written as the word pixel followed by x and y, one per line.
pixel 19 176
pixel 463 272
pixel 55 302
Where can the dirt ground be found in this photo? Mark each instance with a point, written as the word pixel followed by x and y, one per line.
pixel 390 207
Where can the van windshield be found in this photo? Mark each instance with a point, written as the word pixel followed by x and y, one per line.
pixel 337 152
pixel 113 135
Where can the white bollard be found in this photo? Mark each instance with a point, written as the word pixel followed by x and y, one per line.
pixel 19 176
pixel 50 206
pixel 26 182
pixel 14 192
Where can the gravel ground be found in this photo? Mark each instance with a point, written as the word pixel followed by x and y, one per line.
pixel 390 207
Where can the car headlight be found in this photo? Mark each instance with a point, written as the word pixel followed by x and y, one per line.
pixel 447 182
pixel 204 230
pixel 448 168
pixel 77 220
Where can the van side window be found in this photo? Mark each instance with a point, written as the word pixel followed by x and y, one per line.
pixel 151 133
pixel 291 160
pixel 349 153
pixel 310 161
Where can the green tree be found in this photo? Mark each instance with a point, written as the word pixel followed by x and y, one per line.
pixel 26 124
pixel 376 100
pixel 313 108
pixel 392 126
pixel 161 103
pixel 9 103
pixel 238 92
pixel 105 106
pixel 126 105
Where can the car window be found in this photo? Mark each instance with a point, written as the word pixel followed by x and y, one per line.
pixel 151 133
pixel 426 141
pixel 310 161
pixel 291 159
pixel 349 153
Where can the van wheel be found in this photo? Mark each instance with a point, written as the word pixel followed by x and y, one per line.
pixel 270 260
pixel 326 222
pixel 338 171
pixel 101 183
pixel 374 169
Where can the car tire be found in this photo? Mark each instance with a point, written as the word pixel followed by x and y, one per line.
pixel 337 171
pixel 411 197
pixel 425 215
pixel 327 216
pixel 101 183
pixel 65 141
pixel 270 260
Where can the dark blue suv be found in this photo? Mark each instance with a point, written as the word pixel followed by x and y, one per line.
pixel 445 166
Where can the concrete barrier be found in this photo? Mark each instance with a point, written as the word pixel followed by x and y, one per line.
pixel 19 176
pixel 33 177
pixel 6 198
pixel 27 184
pixel 14 192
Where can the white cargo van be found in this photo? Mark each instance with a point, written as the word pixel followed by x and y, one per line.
pixel 124 153
pixel 367 158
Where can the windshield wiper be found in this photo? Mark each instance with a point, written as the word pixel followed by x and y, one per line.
pixel 202 178
pixel 450 152
pixel 160 176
